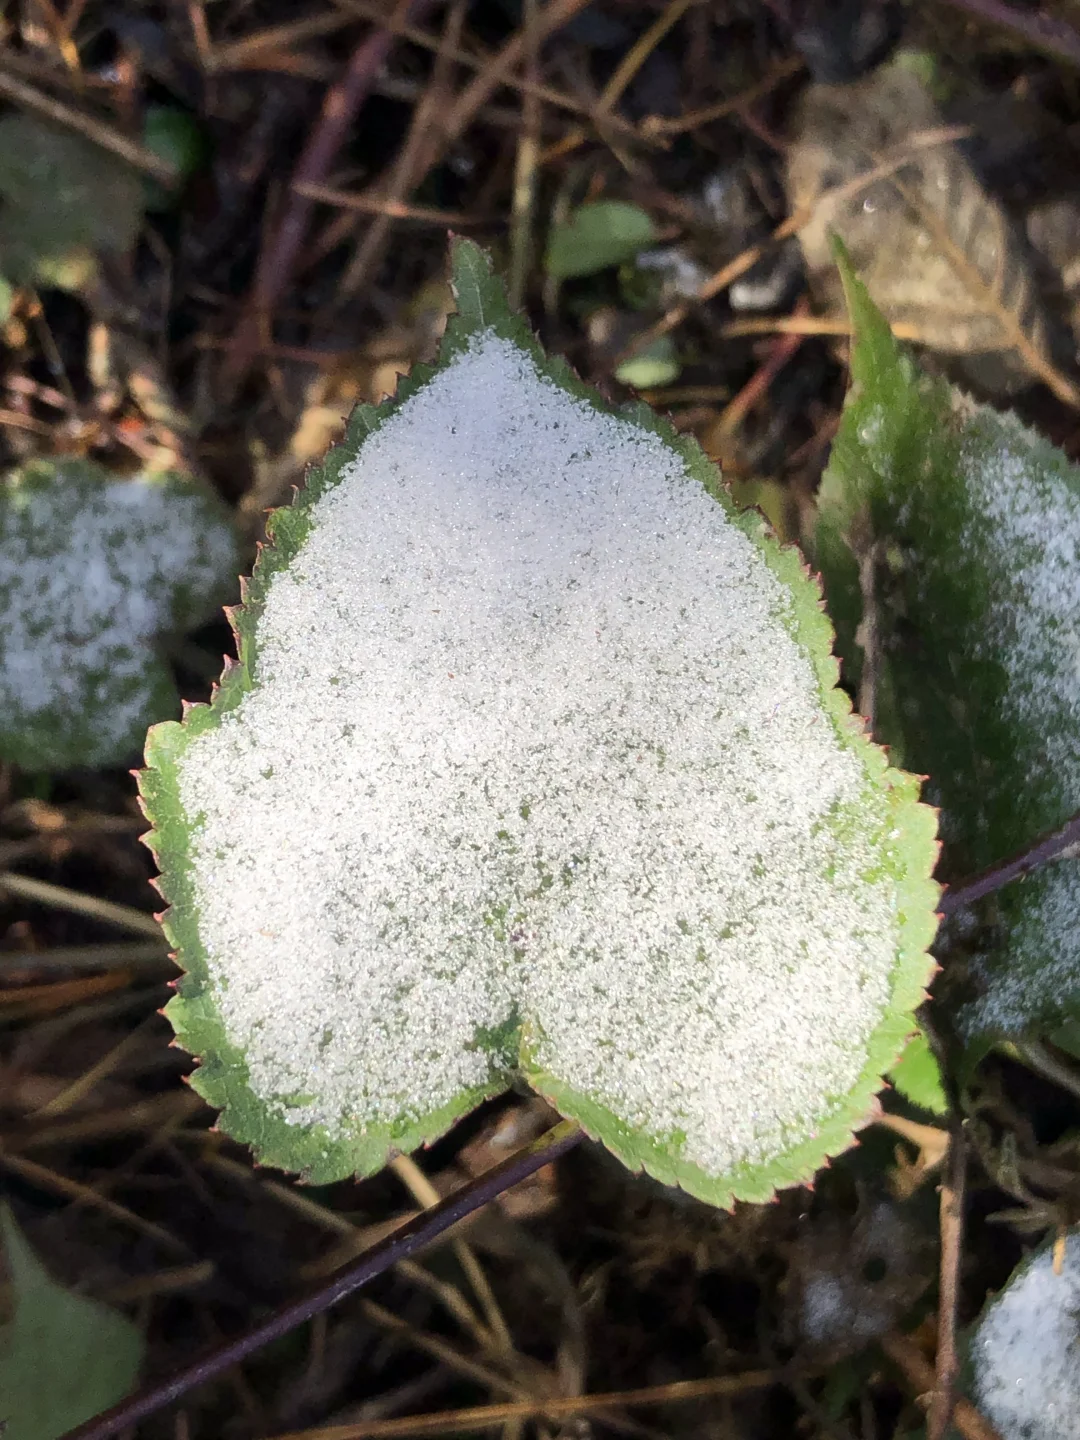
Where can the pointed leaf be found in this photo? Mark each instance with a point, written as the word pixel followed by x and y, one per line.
pixel 534 765
pixel 917 1076
pixel 63 1357
pixel 972 526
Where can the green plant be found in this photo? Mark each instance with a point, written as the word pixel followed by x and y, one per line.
pixel 93 570
pixel 340 752
pixel 948 536
pixel 533 766
pixel 596 236
pixel 63 1356
pixel 63 200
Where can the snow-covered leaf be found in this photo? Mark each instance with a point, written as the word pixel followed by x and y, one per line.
pixel 63 1357
pixel 533 765
pixel 969 525
pixel 1022 1354
pixel 597 235
pixel 92 570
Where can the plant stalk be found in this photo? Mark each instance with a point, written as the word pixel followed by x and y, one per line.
pixel 408 1240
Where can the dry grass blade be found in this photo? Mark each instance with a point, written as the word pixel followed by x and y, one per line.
pixel 1044 31
pixel 413 159
pixel 553 17
pixel 90 957
pixel 59 896
pixel 394 209
pixel 422 1190
pixel 663 126
pixel 43 1178
pixel 952 1241
pixel 489 1417
pixel 236 54
pixel 919 1373
pixel 718 282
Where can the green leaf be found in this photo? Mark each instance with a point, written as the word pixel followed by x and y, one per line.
pixel 1020 1368
pixel 657 364
pixel 970 524
pixel 917 1076
pixel 63 1357
pixel 176 137
pixel 93 570
pixel 598 235
pixel 64 201
pixel 534 766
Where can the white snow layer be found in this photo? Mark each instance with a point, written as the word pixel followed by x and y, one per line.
pixel 1026 1351
pixel 531 737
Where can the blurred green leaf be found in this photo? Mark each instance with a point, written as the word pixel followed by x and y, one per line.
pixel 917 1076
pixel 63 1357
pixel 64 200
pixel 174 135
pixel 598 235
pixel 657 364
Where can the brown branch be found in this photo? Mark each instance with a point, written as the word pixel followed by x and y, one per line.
pixel 1049 847
pixel 919 1373
pixel 553 17
pixel 406 1240
pixel 279 255
pixel 952 1244
pixel 414 158
pixel 1038 28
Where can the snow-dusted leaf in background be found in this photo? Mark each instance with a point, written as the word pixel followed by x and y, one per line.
pixel 968 525
pixel 1022 1363
pixel 63 1357
pixel 533 765
pixel 93 569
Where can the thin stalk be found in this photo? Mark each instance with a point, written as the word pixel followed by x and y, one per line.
pixel 1047 848
pixel 410 1238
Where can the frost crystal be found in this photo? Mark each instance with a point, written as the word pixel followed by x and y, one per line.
pixel 1025 1350
pixel 92 570
pixel 532 759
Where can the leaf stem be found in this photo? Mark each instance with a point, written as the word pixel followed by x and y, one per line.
pixel 1048 847
pixel 407 1240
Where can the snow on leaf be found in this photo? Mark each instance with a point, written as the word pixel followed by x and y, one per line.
pixel 1022 1354
pixel 534 765
pixel 63 1357
pixel 976 524
pixel 92 570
